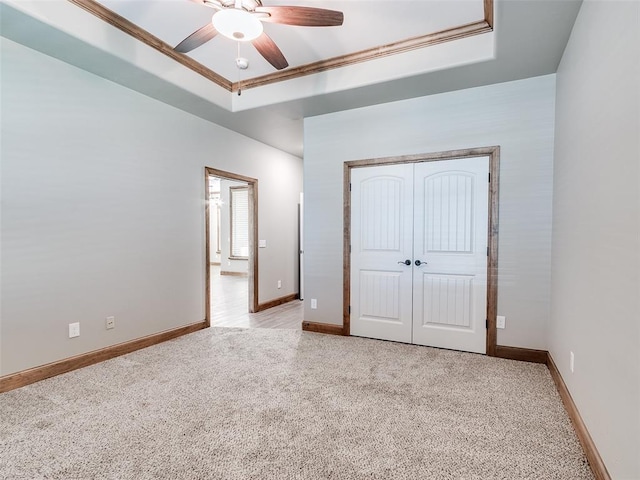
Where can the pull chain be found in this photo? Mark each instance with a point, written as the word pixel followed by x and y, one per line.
pixel 239 79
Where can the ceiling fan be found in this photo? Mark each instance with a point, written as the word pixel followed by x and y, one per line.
pixel 241 20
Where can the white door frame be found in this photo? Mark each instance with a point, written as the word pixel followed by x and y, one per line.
pixel 492 264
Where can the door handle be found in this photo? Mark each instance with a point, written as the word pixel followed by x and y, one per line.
pixel 418 263
pixel 406 262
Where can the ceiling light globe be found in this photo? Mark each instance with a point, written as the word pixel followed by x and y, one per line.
pixel 237 25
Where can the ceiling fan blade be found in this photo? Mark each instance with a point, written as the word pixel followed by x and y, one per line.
pixel 197 38
pixel 270 51
pixel 302 16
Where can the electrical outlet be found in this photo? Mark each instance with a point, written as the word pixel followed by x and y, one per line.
pixel 111 323
pixel 571 361
pixel 74 330
pixel 279 283
pixel 314 303
pixel 501 322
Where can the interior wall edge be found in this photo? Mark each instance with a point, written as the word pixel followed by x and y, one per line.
pixel 593 329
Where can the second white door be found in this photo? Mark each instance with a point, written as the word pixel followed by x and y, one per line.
pixel 433 215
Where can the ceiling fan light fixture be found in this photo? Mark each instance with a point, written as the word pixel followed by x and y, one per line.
pixel 238 25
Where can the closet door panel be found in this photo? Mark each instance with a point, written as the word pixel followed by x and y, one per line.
pixel 381 241
pixel 450 254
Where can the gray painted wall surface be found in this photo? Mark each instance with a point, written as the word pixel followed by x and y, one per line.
pixel 103 210
pixel 518 116
pixel 596 229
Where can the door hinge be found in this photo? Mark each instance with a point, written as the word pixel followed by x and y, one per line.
pixel 349 186
pixel 487 251
pixel 489 177
pixel 349 309
pixel 486 323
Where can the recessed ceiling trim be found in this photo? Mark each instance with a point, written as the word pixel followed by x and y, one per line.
pixel 142 35
pixel 422 41
pixel 451 34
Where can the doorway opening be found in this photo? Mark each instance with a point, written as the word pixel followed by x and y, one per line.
pixel 385 282
pixel 231 225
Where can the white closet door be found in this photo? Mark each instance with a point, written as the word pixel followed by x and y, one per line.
pixel 381 240
pixel 450 282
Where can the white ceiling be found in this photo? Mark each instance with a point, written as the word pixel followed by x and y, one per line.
pixel 528 40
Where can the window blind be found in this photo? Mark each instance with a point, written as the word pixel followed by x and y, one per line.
pixel 239 221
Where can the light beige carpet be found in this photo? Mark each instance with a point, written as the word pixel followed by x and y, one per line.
pixel 283 404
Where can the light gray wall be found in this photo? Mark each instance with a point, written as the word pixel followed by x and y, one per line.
pixel 518 116
pixel 596 228
pixel 103 210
